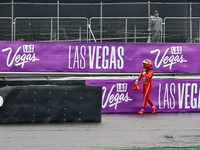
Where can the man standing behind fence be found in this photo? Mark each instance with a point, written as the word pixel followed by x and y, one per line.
pixel 155 27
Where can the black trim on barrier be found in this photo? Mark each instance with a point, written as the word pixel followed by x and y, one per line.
pixel 42 82
pixel 45 104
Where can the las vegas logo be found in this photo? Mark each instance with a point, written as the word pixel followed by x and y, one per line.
pixel 115 98
pixel 18 59
pixel 169 61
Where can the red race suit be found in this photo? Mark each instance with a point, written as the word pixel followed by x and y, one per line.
pixel 147 85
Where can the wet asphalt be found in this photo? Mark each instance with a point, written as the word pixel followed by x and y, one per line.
pixel 116 131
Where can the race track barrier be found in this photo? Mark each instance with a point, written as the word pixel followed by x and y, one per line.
pixel 47 102
pixel 169 95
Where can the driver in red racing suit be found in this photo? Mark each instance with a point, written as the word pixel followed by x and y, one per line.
pixel 146 74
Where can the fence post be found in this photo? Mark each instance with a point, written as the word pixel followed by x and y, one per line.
pixel 51 36
pixel 87 29
pixel 12 20
pixel 199 30
pixel 164 31
pixel 135 34
pixel 149 8
pixel 149 15
pixel 101 14
pixel 79 33
pixel 190 22
pixel 15 29
pixel 126 30
pixel 161 32
pixel 88 25
pixel 58 15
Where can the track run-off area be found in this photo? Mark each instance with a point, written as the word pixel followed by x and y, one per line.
pixel 116 131
pixel 166 148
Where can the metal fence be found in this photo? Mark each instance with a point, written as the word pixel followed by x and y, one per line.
pixel 101 22
pixel 182 29
pixel 120 29
pixel 51 29
pixel 135 29
pixel 5 28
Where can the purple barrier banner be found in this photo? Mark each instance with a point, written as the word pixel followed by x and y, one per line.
pixel 168 95
pixel 97 57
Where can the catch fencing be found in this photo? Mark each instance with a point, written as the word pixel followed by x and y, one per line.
pixel 120 29
pixel 101 22
pixel 99 29
pixel 47 29
pixel 182 29
pixel 6 28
